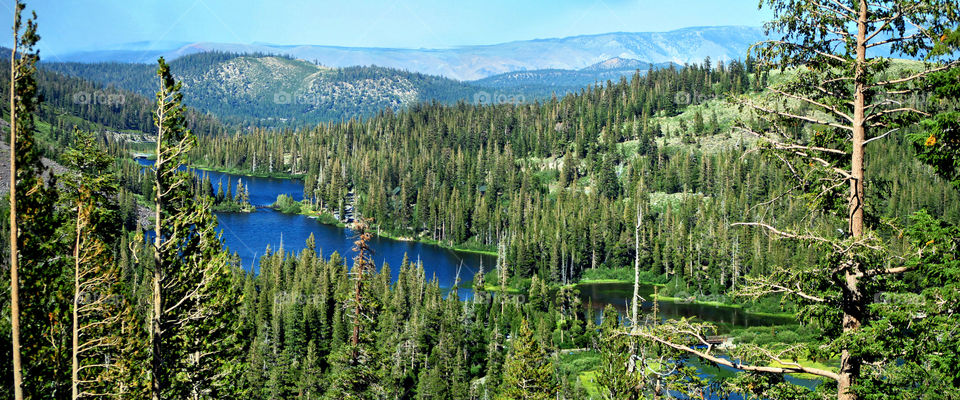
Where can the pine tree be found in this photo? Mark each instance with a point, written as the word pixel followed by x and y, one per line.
pixel 528 372
pixel 714 123
pixel 15 69
pixel 850 99
pixel 607 182
pixel 699 128
pixel 99 310
pixel 192 327
pixel 38 315
pixel 616 378
pixel 355 364
pixel 243 196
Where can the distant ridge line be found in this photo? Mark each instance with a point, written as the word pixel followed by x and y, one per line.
pixel 473 62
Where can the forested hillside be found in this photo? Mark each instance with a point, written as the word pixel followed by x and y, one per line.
pixel 265 90
pixel 542 83
pixel 559 183
pixel 685 45
pixel 115 114
pixel 279 91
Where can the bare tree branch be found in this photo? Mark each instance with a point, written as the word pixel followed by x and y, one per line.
pixel 787 235
pixel 881 136
pixel 799 117
pixel 805 99
pixel 790 368
pixel 914 76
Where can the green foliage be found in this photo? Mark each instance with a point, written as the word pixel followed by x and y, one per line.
pixel 528 372
pixel 193 333
pixel 618 377
pixel 938 142
pixel 483 176
pixel 222 203
pixel 356 364
pixel 100 306
pixel 477 176
pixel 783 334
pixel 118 115
pixel 43 274
pixel 578 362
pixel 916 326
pixel 622 274
pixel 608 184
pixel 287 205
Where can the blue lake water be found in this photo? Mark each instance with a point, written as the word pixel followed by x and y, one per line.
pixel 249 234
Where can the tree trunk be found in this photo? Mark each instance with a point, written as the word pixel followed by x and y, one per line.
pixel 155 332
pixel 75 365
pixel 636 270
pixel 563 264
pixel 634 314
pixel 852 300
pixel 14 253
pixel 355 338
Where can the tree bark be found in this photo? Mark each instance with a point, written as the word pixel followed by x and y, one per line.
pixel 75 365
pixel 156 366
pixel 636 270
pixel 852 298
pixel 634 314
pixel 14 252
pixel 355 338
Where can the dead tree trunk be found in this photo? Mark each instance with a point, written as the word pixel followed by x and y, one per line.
pixel 75 331
pixel 156 365
pixel 14 253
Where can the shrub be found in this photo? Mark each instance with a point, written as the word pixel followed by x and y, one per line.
pixel 287 204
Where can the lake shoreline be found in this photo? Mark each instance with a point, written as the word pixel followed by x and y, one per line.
pixel 328 219
pixel 274 175
pixel 679 300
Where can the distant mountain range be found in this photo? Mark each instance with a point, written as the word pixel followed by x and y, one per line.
pixel 468 63
pixel 562 79
pixel 276 90
pixel 269 90
pixel 270 85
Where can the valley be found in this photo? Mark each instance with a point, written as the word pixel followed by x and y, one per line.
pixel 710 212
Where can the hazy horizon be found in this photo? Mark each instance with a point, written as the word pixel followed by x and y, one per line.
pixel 421 24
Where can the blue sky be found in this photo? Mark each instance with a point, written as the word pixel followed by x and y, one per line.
pixel 70 25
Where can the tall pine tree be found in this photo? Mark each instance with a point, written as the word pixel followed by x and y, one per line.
pixel 192 326
pixel 528 372
pixel 39 302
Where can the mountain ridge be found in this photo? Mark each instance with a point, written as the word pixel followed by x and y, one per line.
pixel 474 62
pixel 277 90
pixel 617 63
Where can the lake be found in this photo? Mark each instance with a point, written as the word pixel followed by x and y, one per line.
pixel 249 234
pixel 598 295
